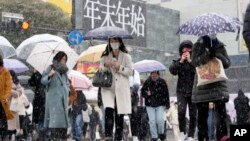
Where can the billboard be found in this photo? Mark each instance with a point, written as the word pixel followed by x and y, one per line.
pixel 129 15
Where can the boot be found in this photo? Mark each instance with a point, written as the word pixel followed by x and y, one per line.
pixel 161 137
pixel 154 139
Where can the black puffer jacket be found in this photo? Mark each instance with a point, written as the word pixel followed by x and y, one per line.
pixel 246 27
pixel 159 93
pixel 202 53
pixel 39 97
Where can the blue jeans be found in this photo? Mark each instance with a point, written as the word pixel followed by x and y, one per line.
pixel 156 119
pixel 76 126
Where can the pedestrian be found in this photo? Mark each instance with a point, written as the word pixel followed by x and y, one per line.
pixel 143 122
pixel 38 104
pixel 24 104
pixel 16 92
pixel 5 93
pixel 86 119
pixel 56 107
pixel 241 105
pixel 246 28
pixel 78 106
pixel 155 92
pixel 183 68
pixel 134 117
pixel 172 114
pixel 116 99
pixel 205 49
pixel 94 122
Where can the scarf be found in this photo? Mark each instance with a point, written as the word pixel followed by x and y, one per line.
pixel 60 67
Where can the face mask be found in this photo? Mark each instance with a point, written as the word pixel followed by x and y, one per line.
pixel 115 45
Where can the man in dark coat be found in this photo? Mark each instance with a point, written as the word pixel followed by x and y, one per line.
pixel 241 104
pixel 186 72
pixel 246 28
pixel 38 103
pixel 204 50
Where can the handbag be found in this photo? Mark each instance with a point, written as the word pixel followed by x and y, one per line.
pixel 212 71
pixel 15 104
pixel 102 79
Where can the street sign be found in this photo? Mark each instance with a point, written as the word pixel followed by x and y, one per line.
pixel 75 37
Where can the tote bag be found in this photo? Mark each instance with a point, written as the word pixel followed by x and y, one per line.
pixel 211 72
pixel 15 104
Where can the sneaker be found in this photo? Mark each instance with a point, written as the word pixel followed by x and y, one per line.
pixel 190 139
pixel 13 137
pixel 135 138
pixel 182 136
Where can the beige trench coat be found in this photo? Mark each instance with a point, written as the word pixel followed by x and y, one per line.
pixel 120 89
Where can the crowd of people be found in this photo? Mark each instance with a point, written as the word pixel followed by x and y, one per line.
pixel 58 106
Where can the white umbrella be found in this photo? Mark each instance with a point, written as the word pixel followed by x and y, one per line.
pixel 6 48
pixel 25 48
pixel 42 55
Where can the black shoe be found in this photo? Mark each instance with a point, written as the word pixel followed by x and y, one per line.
pixel 161 137
pixel 154 139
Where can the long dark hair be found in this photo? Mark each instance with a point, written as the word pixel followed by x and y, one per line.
pixel 14 77
pixel 109 49
pixel 58 57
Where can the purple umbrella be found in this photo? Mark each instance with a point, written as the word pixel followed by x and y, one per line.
pixel 210 23
pixel 149 66
pixel 105 32
pixel 15 65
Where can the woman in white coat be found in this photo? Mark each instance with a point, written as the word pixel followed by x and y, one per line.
pixel 117 98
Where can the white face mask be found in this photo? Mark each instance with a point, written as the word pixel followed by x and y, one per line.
pixel 114 45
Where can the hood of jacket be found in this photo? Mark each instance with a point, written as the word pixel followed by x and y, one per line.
pixel 185 43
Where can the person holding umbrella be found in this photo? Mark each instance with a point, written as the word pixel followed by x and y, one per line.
pixel 117 98
pixel 38 103
pixel 206 49
pixel 5 89
pixel 56 107
pixel 186 72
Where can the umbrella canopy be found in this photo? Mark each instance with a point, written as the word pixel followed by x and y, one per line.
pixel 42 55
pixel 210 23
pixel 6 49
pixel 15 65
pixel 92 54
pixel 105 32
pixel 26 47
pixel 79 80
pixel 149 66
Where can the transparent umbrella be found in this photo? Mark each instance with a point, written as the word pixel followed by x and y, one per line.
pixel 26 47
pixel 6 49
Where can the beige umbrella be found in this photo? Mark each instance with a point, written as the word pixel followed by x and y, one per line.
pixel 92 54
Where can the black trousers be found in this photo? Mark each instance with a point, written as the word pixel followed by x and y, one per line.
pixel 135 121
pixel 221 126
pixel 58 133
pixel 183 101
pixel 111 115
